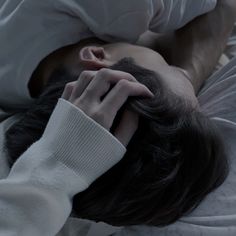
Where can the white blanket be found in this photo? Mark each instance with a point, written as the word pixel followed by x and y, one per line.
pixel 32 29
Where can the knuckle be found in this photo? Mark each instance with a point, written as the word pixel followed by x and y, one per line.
pixel 85 75
pixel 123 85
pixel 103 75
pixel 129 77
pixel 69 86
pixel 104 71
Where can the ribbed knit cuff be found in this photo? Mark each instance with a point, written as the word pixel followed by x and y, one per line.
pixel 80 143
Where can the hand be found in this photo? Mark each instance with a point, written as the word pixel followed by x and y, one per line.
pixel 91 94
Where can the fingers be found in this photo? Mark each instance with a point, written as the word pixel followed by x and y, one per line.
pixel 87 91
pixel 82 83
pixel 68 90
pixel 95 84
pixel 120 93
pixel 102 82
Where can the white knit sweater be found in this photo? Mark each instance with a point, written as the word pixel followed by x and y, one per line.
pixel 36 197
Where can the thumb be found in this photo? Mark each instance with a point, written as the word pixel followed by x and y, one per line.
pixel 127 127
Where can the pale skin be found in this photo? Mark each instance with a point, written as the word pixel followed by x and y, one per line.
pixel 86 93
pixel 96 78
pixel 184 79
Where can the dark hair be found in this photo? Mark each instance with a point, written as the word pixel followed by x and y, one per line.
pixel 175 158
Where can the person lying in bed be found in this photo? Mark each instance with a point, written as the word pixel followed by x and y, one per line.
pixel 156 182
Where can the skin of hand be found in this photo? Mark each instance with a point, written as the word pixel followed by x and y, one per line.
pixel 87 91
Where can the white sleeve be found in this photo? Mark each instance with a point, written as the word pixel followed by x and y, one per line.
pixel 174 14
pixel 35 199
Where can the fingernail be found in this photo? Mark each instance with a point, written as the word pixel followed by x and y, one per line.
pixel 151 95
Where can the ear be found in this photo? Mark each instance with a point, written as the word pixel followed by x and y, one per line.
pixel 93 57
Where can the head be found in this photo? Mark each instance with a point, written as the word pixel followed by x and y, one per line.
pixel 94 54
pixel 175 158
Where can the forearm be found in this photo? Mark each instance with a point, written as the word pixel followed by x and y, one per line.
pixel 199 45
pixel 36 197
